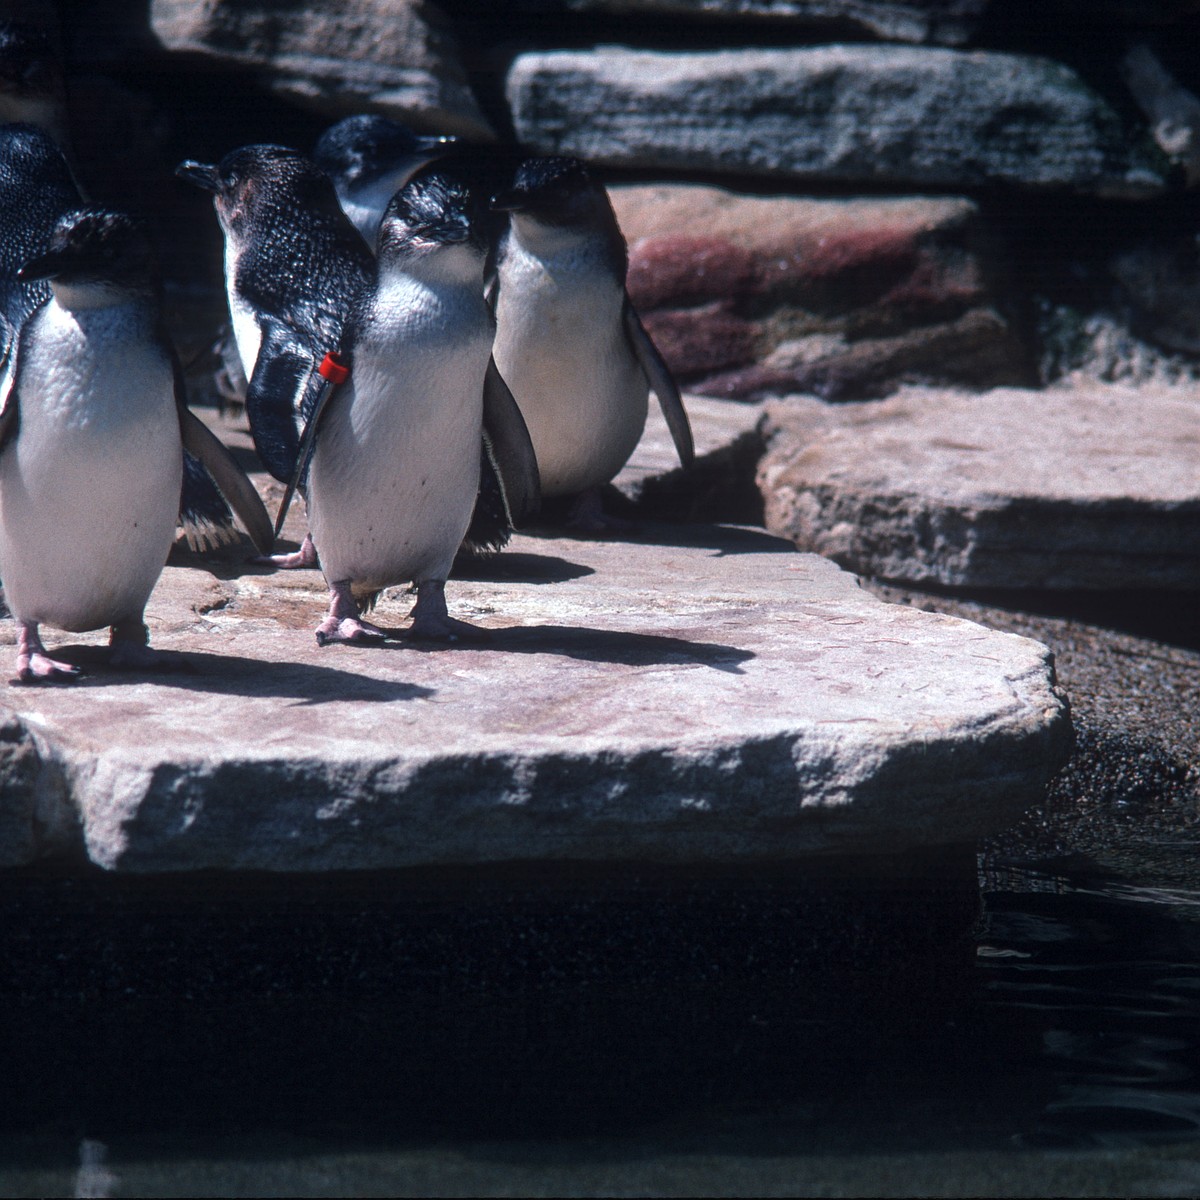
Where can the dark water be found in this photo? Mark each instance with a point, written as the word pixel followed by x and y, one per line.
pixel 1032 1033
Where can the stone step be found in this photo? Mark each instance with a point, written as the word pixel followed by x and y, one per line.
pixel 884 116
pixel 1074 487
pixel 702 694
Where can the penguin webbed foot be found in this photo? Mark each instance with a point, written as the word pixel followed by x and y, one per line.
pixel 344 623
pixel 40 668
pixel 354 630
pixel 306 556
pixel 34 665
pixel 431 622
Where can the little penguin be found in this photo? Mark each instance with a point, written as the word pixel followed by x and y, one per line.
pixel 370 158
pixel 396 465
pixel 294 268
pixel 568 341
pixel 37 189
pixel 91 441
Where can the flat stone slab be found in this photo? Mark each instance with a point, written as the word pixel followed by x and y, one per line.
pixel 892 116
pixel 702 694
pixel 1074 487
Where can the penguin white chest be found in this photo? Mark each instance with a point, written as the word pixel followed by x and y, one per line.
pixel 246 331
pixel 396 468
pixel 89 487
pixel 561 348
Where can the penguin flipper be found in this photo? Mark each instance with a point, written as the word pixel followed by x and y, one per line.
pixel 511 448
pixel 663 385
pixel 200 441
pixel 279 382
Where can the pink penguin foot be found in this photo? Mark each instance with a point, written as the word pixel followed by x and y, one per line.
pixel 128 651
pixel 349 629
pixel 343 624
pixel 41 668
pixel 34 665
pixel 306 556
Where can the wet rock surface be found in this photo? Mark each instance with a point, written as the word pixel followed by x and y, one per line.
pixel 842 298
pixel 1087 487
pixel 888 116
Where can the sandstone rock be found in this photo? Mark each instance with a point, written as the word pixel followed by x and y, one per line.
pixel 396 57
pixel 890 116
pixel 719 485
pixel 35 817
pixel 1088 487
pixel 749 296
pixel 950 22
pixel 702 695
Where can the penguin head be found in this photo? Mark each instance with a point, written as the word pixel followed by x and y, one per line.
pixel 364 148
pixel 554 191
pixel 28 154
pixel 436 212
pixel 260 183
pixel 95 254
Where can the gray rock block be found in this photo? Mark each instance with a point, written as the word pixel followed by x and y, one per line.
pixel 395 57
pixel 894 116
pixel 702 695
pixel 949 22
pixel 1085 487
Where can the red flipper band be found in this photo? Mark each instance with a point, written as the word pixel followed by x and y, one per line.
pixel 334 368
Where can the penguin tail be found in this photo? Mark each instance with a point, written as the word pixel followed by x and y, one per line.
pixel 491 522
pixel 204 514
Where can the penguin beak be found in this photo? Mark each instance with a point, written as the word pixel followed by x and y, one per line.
pixel 200 174
pixel 45 266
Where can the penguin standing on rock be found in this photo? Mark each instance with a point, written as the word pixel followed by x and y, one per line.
pixel 568 341
pixel 91 440
pixel 37 190
pixel 294 268
pixel 370 158
pixel 396 465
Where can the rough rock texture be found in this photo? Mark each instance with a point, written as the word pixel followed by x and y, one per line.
pixel 704 694
pixel 35 816
pixel 396 57
pixel 843 298
pixel 1087 487
pixel 950 22
pixel 891 116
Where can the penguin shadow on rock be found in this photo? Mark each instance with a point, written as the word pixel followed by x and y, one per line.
pixel 98 450
pixel 421 449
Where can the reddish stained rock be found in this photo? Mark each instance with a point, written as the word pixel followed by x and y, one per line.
pixel 689 270
pixel 702 340
pixel 967 352
pixel 861 294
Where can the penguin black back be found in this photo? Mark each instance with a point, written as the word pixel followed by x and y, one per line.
pixel 295 267
pixel 36 190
